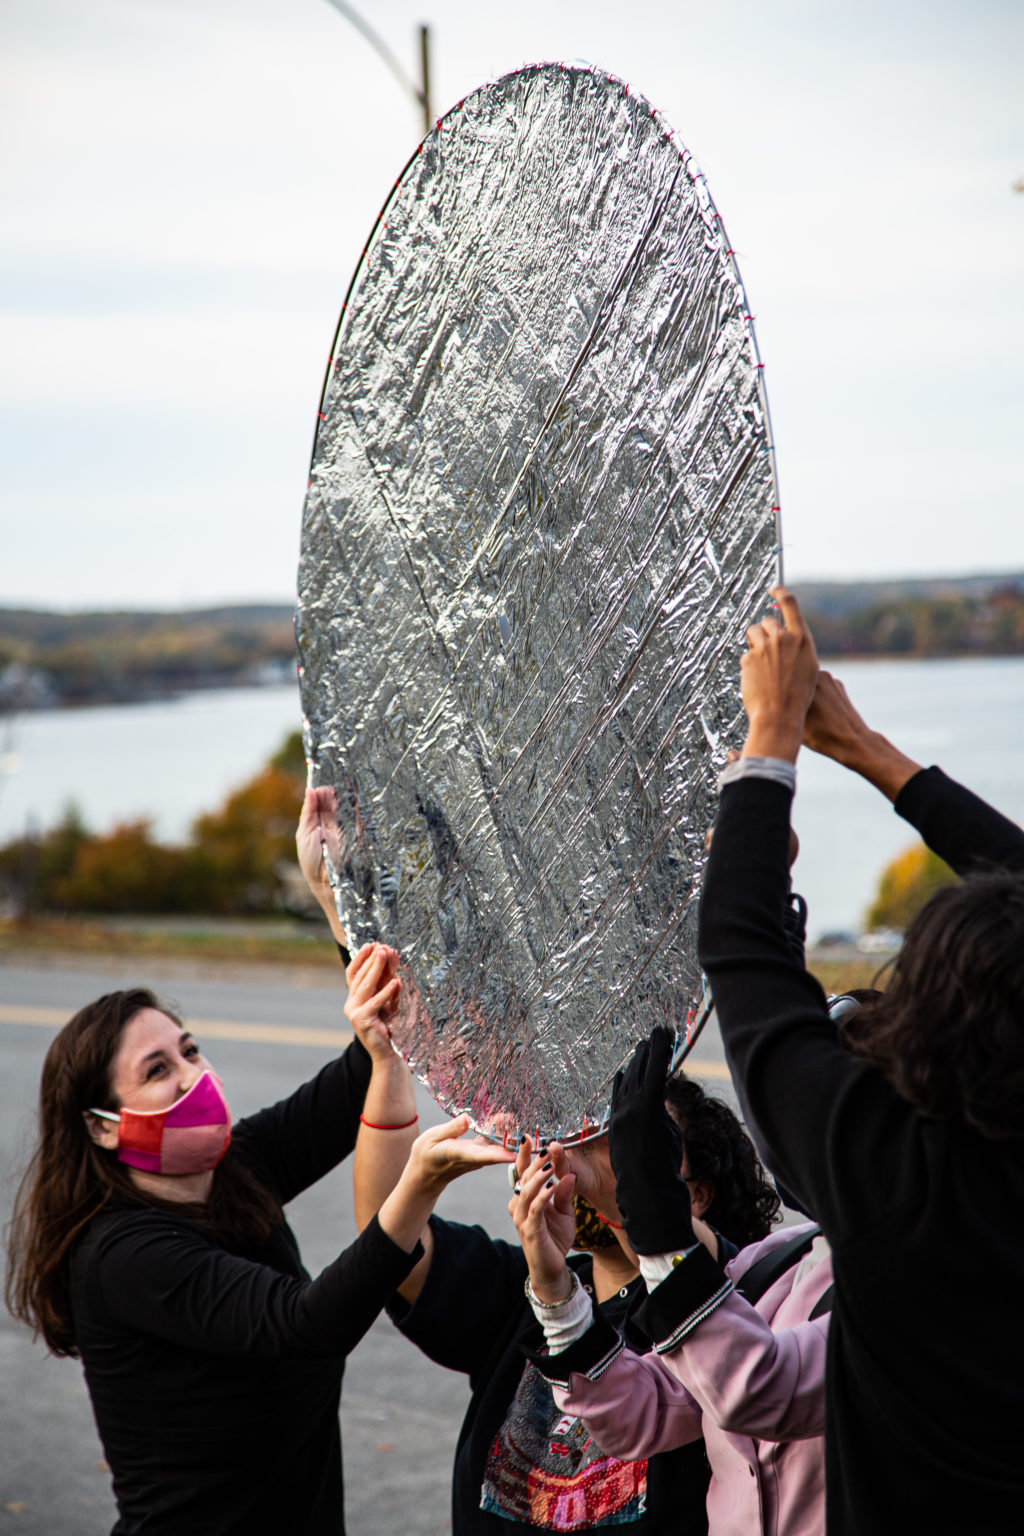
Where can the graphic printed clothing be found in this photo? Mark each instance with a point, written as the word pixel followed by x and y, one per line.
pixel 751 1379
pixel 546 1470
pixel 521 1464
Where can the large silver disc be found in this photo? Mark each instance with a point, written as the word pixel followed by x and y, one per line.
pixel 541 513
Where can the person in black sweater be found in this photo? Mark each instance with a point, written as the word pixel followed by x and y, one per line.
pixel 159 1254
pixel 521 1464
pixel 906 1137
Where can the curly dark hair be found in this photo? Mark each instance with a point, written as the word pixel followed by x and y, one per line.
pixel 948 1032
pixel 746 1203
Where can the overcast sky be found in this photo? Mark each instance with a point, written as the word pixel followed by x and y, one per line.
pixel 186 185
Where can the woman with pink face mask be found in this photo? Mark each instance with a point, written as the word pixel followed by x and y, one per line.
pixel 149 1239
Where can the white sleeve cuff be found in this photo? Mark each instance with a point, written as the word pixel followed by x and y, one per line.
pixel 568 1320
pixel 775 768
pixel 656 1267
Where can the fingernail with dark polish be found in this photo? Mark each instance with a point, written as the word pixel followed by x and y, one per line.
pixel 546 1168
pixel 550 1183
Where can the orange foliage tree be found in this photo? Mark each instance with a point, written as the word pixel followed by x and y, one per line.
pixel 126 871
pixel 233 862
pixel 904 886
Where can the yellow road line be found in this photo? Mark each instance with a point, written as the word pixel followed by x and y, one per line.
pixel 210 1029
pixel 273 1034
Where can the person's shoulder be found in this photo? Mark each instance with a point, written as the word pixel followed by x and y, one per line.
pixel 754 1252
pixel 126 1229
pixel 456 1244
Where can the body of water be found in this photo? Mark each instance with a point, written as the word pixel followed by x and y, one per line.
pixel 173 760
pixel 167 760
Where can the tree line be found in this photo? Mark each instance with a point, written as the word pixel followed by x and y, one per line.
pixel 239 858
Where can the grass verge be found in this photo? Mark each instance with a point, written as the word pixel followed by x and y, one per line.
pixel 72 936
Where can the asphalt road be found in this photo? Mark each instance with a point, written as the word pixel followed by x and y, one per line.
pixel 266 1031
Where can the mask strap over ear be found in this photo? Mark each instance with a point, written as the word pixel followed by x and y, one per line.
pixel 104 1114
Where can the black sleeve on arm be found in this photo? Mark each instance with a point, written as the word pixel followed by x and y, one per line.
pixel 590 1355
pixel 807 1094
pixel 293 1143
pixel 163 1276
pixel 957 825
pixel 472 1290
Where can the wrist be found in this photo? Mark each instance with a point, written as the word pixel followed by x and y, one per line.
pixel 768 737
pixel 551 1291
pixel 875 758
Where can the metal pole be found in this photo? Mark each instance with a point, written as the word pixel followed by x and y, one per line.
pixel 378 43
pixel 428 116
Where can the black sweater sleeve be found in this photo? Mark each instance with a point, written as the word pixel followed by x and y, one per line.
pixel 806 1092
pixel 473 1288
pixel 293 1143
pixel 163 1276
pixel 959 827
pixel 817 1107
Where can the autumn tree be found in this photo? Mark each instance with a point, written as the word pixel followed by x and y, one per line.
pixel 905 885
pixel 238 851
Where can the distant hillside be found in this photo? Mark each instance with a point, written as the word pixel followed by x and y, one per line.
pixel 939 616
pixel 49 659
pixel 836 599
pixel 103 657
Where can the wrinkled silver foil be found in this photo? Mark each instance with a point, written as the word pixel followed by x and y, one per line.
pixel 541 513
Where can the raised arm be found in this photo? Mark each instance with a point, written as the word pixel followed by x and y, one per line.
pixel 955 823
pixel 397 1176
pixel 804 1089
pixel 316 833
pixel 389 1124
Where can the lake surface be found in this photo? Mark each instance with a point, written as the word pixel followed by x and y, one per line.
pixel 173 760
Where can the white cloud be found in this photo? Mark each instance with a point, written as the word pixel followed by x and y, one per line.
pixel 188 184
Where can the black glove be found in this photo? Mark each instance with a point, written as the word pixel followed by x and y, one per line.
pixel 646 1149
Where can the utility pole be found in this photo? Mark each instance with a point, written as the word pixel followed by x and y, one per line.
pixel 418 93
pixel 428 116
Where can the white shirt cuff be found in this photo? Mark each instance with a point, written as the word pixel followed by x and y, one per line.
pixel 656 1267
pixel 566 1322
pixel 775 768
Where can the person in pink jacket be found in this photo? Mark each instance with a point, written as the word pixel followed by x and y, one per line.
pixel 748 1376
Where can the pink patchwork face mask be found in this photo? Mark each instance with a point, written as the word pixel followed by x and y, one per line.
pixel 190 1136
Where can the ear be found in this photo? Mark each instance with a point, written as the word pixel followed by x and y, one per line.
pixel 102 1132
pixel 702 1192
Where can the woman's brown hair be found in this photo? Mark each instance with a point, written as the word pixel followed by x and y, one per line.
pixel 948 1032
pixel 70 1179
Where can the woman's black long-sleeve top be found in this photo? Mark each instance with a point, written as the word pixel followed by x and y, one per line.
pixel 925 1391
pixel 215 1379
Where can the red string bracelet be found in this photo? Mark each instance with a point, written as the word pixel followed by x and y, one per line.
pixel 403 1127
pixel 607 1220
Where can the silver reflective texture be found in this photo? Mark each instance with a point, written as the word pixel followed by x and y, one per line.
pixel 541 514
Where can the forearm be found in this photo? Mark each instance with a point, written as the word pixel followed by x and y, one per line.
pixel 875 758
pixel 405 1213
pixel 330 911
pixel 772 1013
pixel 958 826
pixel 387 1131
pixel 751 1381
pixel 632 1406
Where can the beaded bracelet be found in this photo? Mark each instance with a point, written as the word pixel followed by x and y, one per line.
pixel 403 1127
pixel 549 1306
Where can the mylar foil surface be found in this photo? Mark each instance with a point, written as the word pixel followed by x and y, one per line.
pixel 541 513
